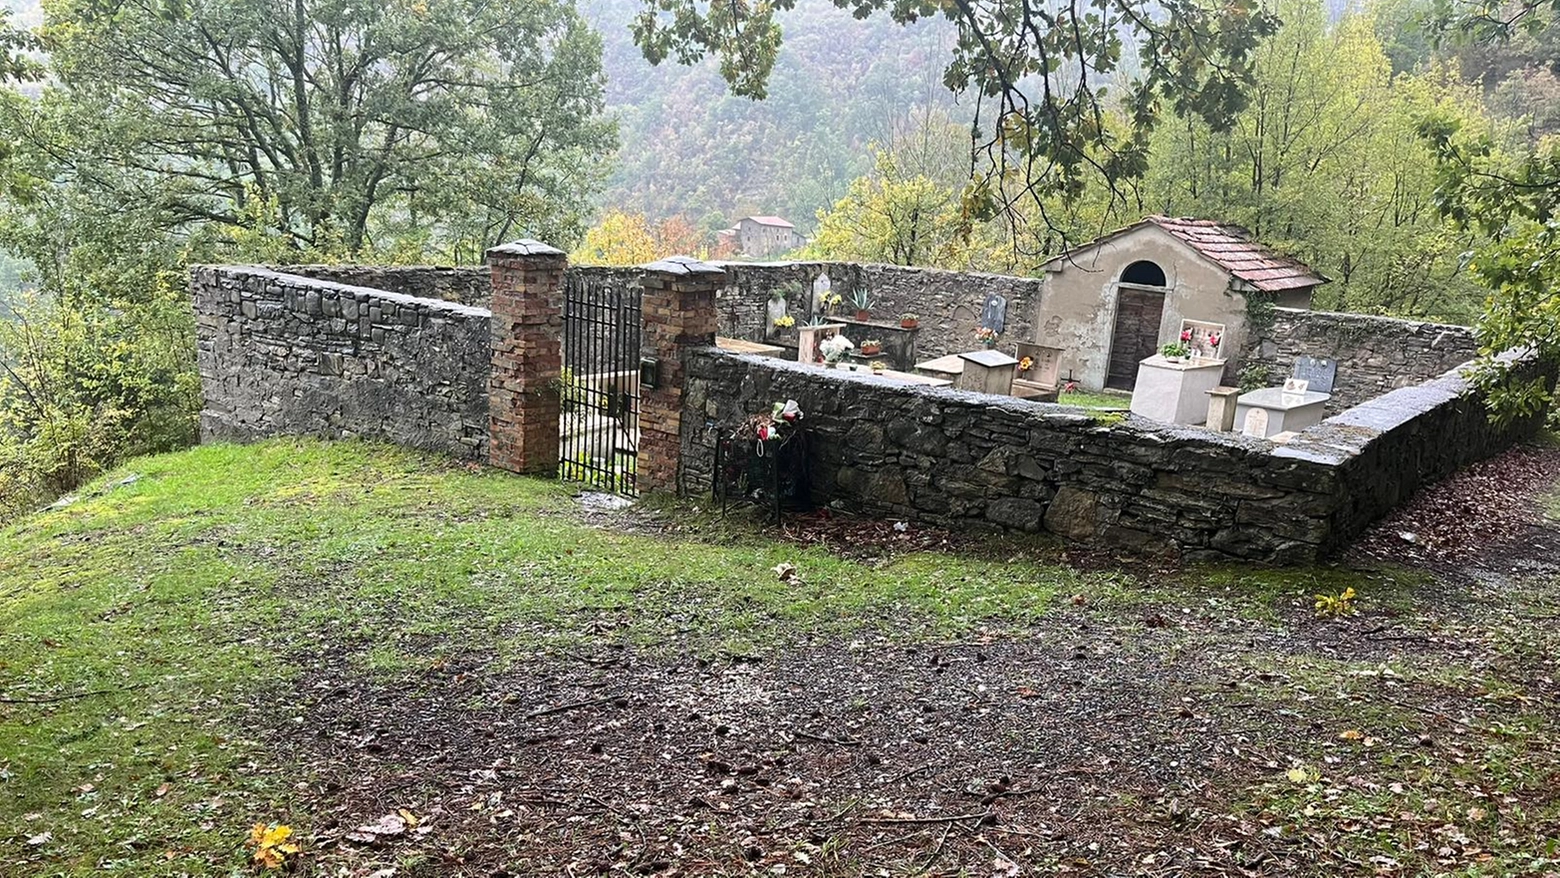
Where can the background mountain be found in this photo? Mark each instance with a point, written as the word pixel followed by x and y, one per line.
pixel 690 148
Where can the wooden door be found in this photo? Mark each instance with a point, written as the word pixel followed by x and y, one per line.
pixel 1136 336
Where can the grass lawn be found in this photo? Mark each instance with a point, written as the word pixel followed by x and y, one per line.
pixel 1088 399
pixel 322 635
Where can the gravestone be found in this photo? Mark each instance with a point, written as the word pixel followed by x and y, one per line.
pixel 1256 423
pixel 993 315
pixel 821 288
pixel 1319 373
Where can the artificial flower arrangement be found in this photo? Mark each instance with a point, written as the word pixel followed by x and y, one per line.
pixel 785 322
pixel 879 367
pixel 1213 340
pixel 986 336
pixel 1026 364
pixel 831 302
pixel 834 348
pixel 772 425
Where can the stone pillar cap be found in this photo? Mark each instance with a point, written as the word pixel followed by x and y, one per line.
pixel 682 265
pixel 525 247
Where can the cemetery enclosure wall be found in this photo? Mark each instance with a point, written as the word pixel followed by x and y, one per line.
pixel 465 284
pixel 283 354
pixel 963 460
pixel 958 459
pixel 948 302
pixel 1374 354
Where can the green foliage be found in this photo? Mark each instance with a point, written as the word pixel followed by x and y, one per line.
pixel 1255 377
pixel 1514 200
pixel 451 123
pixel 1042 74
pixel 906 212
pixel 245 131
pixel 1325 162
pixel 80 387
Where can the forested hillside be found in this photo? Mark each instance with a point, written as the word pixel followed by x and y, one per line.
pixel 691 148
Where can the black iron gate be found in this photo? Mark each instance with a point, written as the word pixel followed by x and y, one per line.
pixel 599 431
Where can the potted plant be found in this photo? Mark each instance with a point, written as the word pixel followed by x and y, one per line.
pixel 987 337
pixel 871 346
pixel 909 321
pixel 1175 351
pixel 862 304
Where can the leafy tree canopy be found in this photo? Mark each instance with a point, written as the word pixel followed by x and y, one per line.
pixel 1515 200
pixel 1041 75
pixel 327 122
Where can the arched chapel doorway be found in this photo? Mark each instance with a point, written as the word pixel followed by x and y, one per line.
pixel 1140 304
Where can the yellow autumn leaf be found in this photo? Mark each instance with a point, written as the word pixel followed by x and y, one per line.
pixel 270 841
pixel 1297 774
pixel 1351 735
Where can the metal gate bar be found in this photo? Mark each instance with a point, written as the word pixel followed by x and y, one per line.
pixel 599 431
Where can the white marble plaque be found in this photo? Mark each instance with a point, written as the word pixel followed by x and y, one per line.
pixel 1256 423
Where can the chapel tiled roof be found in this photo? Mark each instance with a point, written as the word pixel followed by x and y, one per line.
pixel 1233 248
pixel 771 221
pixel 1230 247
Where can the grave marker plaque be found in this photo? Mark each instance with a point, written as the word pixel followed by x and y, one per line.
pixel 1256 423
pixel 1319 373
pixel 993 315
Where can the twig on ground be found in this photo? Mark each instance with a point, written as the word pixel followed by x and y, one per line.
pixel 979 817
pixel 572 705
pixel 810 736
pixel 72 696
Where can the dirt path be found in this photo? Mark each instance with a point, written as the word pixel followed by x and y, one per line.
pixel 1157 740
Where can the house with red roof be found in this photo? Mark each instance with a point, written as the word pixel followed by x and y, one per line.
pixel 764 236
pixel 1113 302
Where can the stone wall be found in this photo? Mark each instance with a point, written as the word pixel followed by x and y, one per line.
pixel 948 302
pixel 284 354
pixel 957 459
pixel 1374 354
pixel 464 284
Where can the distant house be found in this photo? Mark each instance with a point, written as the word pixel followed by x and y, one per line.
pixel 762 236
pixel 1112 302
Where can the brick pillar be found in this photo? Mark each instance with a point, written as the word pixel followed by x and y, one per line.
pixel 679 313
pixel 527 278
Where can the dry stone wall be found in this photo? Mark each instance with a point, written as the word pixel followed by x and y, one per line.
pixel 283 354
pixel 965 460
pixel 1374 354
pixel 465 284
pixel 948 302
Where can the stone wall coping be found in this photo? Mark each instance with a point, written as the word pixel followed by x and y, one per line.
pixel 681 265
pixel 1381 321
pixel 525 247
pixel 303 281
pixel 295 267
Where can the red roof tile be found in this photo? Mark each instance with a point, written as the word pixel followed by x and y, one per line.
pixel 1230 247
pixel 1233 248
